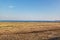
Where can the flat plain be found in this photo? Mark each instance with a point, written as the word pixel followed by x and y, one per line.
pixel 29 30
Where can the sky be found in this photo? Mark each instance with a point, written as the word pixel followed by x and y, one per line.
pixel 29 9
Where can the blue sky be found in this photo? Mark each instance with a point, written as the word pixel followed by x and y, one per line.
pixel 29 9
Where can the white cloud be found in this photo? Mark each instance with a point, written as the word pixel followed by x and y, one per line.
pixel 11 6
pixel 28 18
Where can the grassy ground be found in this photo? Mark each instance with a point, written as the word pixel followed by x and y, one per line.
pixel 29 30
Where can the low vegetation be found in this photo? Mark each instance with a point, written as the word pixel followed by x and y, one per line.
pixel 29 30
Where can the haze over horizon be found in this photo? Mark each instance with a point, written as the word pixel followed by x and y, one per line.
pixel 29 9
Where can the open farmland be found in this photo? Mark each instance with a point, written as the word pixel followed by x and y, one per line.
pixel 29 30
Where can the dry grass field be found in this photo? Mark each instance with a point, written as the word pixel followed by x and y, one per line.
pixel 29 30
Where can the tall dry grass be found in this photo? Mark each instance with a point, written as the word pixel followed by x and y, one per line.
pixel 29 30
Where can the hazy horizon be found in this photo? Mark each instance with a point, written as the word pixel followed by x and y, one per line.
pixel 29 9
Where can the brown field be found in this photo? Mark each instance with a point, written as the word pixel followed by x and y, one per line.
pixel 29 30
